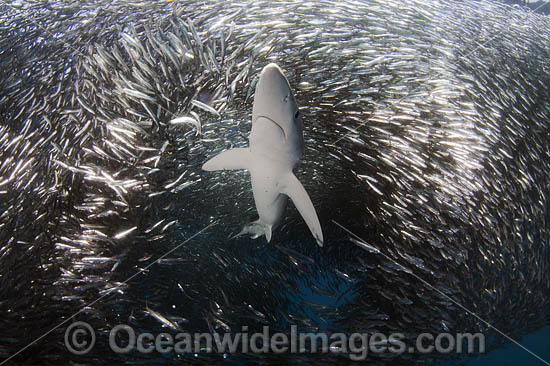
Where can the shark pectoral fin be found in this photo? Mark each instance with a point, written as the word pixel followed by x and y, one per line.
pixel 292 187
pixel 229 160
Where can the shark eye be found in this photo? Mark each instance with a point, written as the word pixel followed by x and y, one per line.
pixel 297 114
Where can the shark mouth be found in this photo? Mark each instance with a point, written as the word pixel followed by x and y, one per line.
pixel 274 122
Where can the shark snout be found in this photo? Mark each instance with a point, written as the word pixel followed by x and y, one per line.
pixel 272 69
pixel 272 86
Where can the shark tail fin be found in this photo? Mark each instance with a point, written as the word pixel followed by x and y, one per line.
pixel 292 187
pixel 229 160
pixel 255 230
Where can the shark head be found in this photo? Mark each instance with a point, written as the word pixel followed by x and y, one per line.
pixel 275 122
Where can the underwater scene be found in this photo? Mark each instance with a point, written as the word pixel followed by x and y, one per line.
pixel 274 182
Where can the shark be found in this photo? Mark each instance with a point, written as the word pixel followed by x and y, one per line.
pixel 276 146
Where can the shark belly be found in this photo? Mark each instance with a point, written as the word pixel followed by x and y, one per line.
pixel 270 202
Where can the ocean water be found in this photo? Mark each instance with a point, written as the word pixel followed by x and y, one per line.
pixel 513 355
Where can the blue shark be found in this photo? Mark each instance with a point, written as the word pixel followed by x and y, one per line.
pixel 276 147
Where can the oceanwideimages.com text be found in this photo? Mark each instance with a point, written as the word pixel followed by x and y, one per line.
pixel 80 339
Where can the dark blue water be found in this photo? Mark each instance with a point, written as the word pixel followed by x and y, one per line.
pixel 512 355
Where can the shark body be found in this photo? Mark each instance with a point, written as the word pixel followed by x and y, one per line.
pixel 276 147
